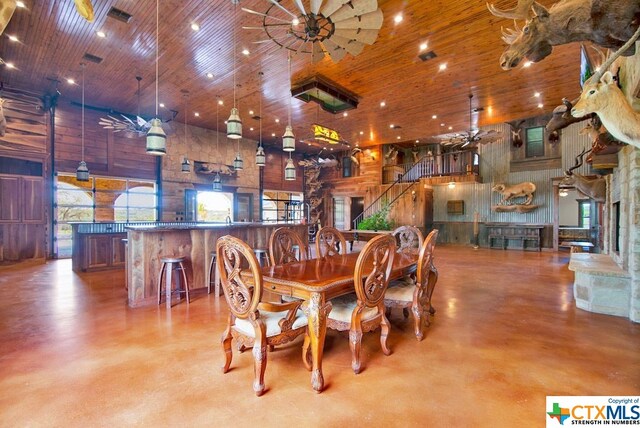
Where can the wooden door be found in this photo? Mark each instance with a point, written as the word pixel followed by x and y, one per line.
pixel 33 200
pixel 9 199
pixel 243 210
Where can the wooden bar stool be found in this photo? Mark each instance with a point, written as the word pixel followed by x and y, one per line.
pixel 169 264
pixel 214 277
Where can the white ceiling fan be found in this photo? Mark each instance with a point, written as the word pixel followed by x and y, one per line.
pixel 463 140
pixel 332 27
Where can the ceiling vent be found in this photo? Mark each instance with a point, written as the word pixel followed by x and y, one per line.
pixel 120 15
pixel 92 58
pixel 426 56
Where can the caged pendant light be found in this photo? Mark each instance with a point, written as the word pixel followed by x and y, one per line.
pixel 217 182
pixel 234 123
pixel 82 173
pixel 261 159
pixel 185 167
pixel 156 138
pixel 288 139
pixel 290 170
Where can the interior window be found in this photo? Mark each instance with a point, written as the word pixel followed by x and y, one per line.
pixel 535 142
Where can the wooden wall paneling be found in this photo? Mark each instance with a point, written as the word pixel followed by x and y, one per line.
pixel 26 124
pixel 274 172
pixel 9 199
pixel 33 197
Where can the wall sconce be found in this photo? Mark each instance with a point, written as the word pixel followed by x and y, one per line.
pixel 563 193
pixel 186 166
pixel 452 185
pixel 413 195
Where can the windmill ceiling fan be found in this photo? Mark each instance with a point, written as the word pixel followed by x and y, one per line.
pixel 469 138
pixel 332 27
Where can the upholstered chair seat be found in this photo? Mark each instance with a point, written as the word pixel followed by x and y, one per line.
pixel 272 323
pixel 343 306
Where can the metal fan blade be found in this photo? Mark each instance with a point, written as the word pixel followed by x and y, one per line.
pixel 265 15
pixel 315 6
pixel 300 7
pixel 354 8
pixel 367 37
pixel 331 6
pixel 265 26
pixel 370 21
pixel 258 42
pixel 351 46
pixel 277 3
pixel 317 54
pixel 335 52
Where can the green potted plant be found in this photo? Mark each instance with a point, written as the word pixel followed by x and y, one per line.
pixel 377 221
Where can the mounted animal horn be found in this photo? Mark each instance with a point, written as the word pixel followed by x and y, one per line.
pixel 521 11
pixel 605 66
pixel 578 162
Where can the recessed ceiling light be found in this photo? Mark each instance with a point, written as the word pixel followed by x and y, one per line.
pixel 308 144
pixel 250 129
pixel 245 51
pixel 331 148
pixel 13 38
pixel 210 75
pixel 345 114
pixel 392 126
pixel 398 137
pixel 196 114
pixel 295 21
pixel 20 4
pixel 251 112
pixel 417 141
pixel 161 105
pixel 540 105
pixel 101 34
pixel 423 46
pixel 537 95
pixel 382 104
pixel 361 132
pixel 273 134
pixel 220 102
pixel 450 128
pixel 225 122
pixel 443 66
pixel 69 81
pixel 195 27
pixel 398 18
pixel 527 64
pixel 357 144
pixel 442 124
pixel 435 116
pixel 277 120
pixel 10 65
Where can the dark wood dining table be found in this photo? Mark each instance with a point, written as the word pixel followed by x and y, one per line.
pixel 317 281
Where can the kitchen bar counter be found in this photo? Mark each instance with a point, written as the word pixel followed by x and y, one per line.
pixel 149 243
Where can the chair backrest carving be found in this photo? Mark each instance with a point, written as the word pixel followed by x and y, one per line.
pixel 408 239
pixel 425 259
pixel 330 242
pixel 281 245
pixel 374 262
pixel 233 257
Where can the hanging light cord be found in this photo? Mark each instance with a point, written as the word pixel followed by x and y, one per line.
pixel 235 10
pixel 289 65
pixel 82 127
pixel 260 106
pixel 217 131
pixel 157 49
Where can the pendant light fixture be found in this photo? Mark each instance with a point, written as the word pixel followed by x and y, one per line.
pixel 185 167
pixel 288 139
pixel 261 159
pixel 290 170
pixel 156 138
pixel 217 182
pixel 234 123
pixel 82 173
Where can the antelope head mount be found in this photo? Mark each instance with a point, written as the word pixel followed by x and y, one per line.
pixel 594 188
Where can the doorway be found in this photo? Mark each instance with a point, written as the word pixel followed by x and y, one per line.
pixel 357 207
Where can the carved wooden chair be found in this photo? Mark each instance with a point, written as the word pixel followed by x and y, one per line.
pixel 282 246
pixel 364 311
pixel 408 239
pixel 416 294
pixel 251 322
pixel 330 242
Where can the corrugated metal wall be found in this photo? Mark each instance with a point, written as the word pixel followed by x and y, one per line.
pixel 494 168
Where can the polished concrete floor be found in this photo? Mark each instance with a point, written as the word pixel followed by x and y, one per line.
pixel 506 334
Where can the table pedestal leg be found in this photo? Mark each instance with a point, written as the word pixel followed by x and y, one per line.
pixel 316 310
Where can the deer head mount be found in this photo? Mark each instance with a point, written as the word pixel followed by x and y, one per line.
pixel 594 188
pixel 606 23
pixel 516 132
pixel 602 96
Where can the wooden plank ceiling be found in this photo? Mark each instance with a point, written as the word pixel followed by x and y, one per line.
pixel 53 39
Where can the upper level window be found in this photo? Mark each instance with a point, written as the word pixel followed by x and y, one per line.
pixel 535 142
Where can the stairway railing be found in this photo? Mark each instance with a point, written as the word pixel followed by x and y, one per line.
pixel 456 163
